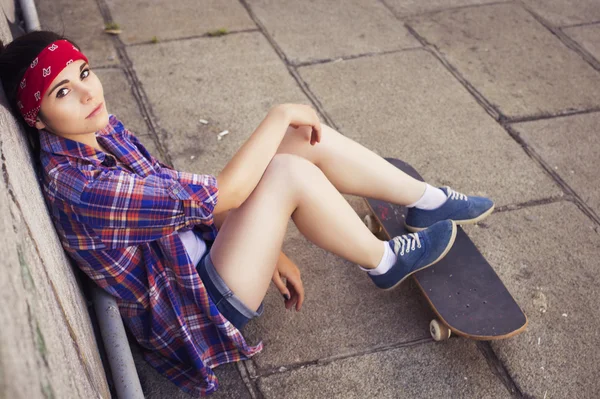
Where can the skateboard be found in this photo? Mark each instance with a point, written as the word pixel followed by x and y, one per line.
pixel 463 290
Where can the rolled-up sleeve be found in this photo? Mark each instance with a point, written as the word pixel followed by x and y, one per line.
pixel 125 209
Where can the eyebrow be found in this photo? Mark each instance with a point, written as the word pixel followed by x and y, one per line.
pixel 66 80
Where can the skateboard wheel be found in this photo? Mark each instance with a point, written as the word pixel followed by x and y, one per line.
pixel 439 332
pixel 372 224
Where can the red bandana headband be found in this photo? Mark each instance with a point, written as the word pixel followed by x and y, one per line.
pixel 46 66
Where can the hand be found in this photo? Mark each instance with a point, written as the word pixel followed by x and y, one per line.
pixel 303 115
pixel 292 289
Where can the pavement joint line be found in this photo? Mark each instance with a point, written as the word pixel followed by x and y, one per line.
pixel 206 35
pixel 291 69
pixel 105 66
pixel 528 204
pixel 108 67
pixel 570 193
pixel 499 369
pixel 579 24
pixel 351 57
pixel 138 93
pixel 566 40
pixel 578 48
pixel 327 360
pixel 541 117
pixel 313 98
pixel 243 371
pixel 440 10
pixel 479 98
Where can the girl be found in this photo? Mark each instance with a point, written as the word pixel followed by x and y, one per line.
pixel 147 234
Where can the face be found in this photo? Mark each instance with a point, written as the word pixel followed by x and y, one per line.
pixel 70 105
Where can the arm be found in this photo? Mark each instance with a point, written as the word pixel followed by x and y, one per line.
pixel 243 172
pixel 125 209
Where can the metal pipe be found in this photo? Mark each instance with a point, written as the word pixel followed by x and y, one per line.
pixel 30 15
pixel 125 377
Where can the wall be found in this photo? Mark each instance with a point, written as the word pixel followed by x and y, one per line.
pixel 47 345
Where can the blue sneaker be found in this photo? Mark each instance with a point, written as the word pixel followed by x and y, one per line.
pixel 458 207
pixel 417 251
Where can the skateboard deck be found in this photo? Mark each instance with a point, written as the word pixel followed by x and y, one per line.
pixel 463 290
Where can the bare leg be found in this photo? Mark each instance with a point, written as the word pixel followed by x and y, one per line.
pixel 249 242
pixel 352 168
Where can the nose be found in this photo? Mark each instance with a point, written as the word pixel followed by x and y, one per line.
pixel 86 95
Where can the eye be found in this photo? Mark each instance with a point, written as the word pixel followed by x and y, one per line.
pixel 85 73
pixel 62 92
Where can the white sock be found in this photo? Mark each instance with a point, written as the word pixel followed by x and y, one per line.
pixel 433 198
pixel 387 261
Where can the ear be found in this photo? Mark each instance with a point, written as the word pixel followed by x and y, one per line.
pixel 39 125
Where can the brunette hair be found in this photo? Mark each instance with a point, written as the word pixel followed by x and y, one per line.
pixel 15 58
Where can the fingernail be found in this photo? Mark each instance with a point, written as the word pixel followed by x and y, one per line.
pixel 286 297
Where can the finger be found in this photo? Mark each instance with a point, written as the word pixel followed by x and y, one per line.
pixel 281 286
pixel 299 290
pixel 290 303
pixel 298 287
pixel 315 136
pixel 300 300
pixel 319 132
pixel 294 298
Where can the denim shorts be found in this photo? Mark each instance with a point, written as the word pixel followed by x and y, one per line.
pixel 230 306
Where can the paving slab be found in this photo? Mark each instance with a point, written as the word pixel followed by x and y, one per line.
pixel 343 313
pixel 571 145
pixel 588 37
pixel 324 29
pixel 405 8
pixel 203 78
pixel 408 106
pixel 120 101
pixel 156 386
pixel 561 12
pixel 548 258
pixel 524 71
pixel 451 369
pixel 142 20
pixel 83 24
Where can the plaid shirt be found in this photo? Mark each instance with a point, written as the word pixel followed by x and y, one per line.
pixel 120 227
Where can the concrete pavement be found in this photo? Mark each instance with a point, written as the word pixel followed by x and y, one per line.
pixel 499 99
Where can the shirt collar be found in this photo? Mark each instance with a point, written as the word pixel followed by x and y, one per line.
pixel 54 144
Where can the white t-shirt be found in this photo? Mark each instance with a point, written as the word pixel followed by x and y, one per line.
pixel 194 245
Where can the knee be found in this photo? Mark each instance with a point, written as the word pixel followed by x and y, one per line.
pixel 290 169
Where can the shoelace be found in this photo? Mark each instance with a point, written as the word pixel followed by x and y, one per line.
pixel 456 195
pixel 406 243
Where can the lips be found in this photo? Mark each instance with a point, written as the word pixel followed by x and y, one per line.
pixel 95 111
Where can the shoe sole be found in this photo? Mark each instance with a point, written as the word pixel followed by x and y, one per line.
pixel 446 250
pixel 458 222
